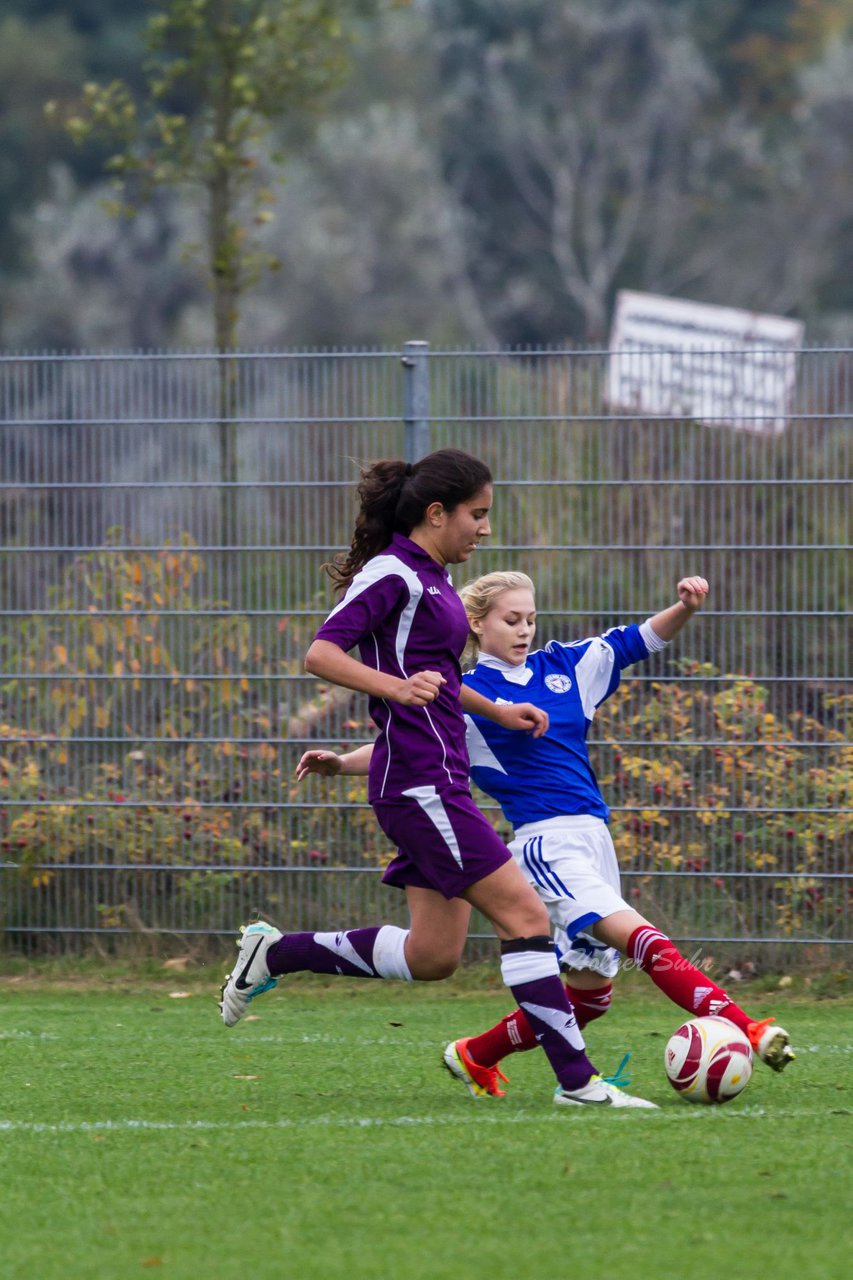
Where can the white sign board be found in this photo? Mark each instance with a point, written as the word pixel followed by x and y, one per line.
pixel 720 366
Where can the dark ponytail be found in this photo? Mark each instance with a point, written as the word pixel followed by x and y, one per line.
pixel 393 497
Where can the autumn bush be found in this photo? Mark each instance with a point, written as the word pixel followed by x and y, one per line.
pixel 146 781
pixel 752 808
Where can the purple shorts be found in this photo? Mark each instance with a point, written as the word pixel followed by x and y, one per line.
pixel 443 840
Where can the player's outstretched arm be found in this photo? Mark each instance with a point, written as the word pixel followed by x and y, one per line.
pixel 329 764
pixel 516 715
pixel 691 596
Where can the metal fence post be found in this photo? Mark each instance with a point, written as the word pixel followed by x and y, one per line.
pixel 415 361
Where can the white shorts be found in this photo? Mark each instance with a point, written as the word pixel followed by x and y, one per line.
pixel 571 864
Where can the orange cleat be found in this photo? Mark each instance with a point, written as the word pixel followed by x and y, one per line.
pixel 481 1082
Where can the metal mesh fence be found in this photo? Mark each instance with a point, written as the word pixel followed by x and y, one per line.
pixel 164 520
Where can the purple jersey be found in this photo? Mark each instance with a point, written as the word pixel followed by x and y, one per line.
pixel 402 611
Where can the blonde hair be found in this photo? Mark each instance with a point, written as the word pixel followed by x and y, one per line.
pixel 479 598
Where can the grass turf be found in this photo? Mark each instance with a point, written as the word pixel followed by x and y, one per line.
pixel 323 1138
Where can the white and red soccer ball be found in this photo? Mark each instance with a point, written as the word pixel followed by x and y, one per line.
pixel 708 1060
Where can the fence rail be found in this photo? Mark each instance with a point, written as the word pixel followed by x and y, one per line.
pixel 164 518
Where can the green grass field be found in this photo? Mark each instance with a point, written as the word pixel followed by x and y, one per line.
pixel 138 1136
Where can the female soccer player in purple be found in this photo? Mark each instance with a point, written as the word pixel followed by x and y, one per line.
pixel 400 609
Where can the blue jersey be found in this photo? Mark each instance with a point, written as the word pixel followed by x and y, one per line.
pixel 549 777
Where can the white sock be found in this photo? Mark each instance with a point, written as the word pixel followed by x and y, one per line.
pixel 389 954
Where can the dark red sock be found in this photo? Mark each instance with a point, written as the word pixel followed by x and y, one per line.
pixel 589 1005
pixel 513 1034
pixel 677 978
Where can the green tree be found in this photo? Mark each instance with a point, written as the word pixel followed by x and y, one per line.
pixel 220 73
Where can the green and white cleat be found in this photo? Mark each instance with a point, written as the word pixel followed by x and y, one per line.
pixel 250 976
pixel 599 1093
pixel 770 1043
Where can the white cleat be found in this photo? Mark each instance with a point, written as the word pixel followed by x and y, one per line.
pixel 599 1093
pixel 250 976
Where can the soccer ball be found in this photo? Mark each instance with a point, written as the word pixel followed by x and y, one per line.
pixel 708 1060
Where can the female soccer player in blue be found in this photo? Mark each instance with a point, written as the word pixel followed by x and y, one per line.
pixel 548 792
pixel 401 610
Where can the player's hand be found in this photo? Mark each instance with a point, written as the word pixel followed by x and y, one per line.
pixel 524 716
pixel 325 763
pixel 692 592
pixel 420 689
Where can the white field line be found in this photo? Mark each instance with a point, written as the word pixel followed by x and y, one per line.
pixel 419 1043
pixel 389 1039
pixel 709 1114
pixel 29 1035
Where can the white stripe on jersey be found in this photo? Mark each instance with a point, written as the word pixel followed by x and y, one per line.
pixel 374 571
pixel 593 674
pixel 479 751
pixel 385 567
pixel 594 671
pixel 439 738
